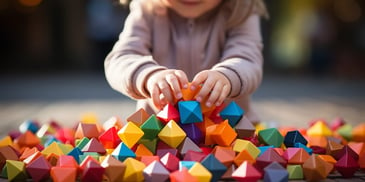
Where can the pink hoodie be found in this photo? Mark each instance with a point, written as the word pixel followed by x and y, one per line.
pixel 151 42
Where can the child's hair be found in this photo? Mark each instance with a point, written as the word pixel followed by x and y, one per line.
pixel 240 9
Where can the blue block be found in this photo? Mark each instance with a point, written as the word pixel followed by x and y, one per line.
pixel 264 148
pixel 214 166
pixel 186 164
pixel 75 153
pixel 275 172
pixel 233 113
pixel 29 125
pixel 300 145
pixel 190 112
pixel 293 137
pixel 122 152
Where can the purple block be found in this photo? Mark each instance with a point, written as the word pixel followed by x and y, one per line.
pixel 193 132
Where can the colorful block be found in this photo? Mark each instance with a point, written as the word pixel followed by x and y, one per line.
pixel 114 169
pixel 109 138
pixel 63 174
pixel 122 152
pixel 224 134
pixel 190 112
pixel 358 133
pixel 319 128
pixel 155 171
pixel 293 137
pixel 200 172
pixel 188 145
pixel 295 155
pixel 139 117
pixel 170 161
pixel 246 172
pixel 16 170
pixel 39 169
pixel 271 136
pixel 225 155
pixel 295 172
pixel 244 128
pixel 134 170
pixel 92 172
pixel 276 172
pixel 94 146
pixel 214 166
pixel 314 169
pixel 151 127
pixel 182 176
pixel 193 132
pixel 347 166
pixel 168 113
pixel 130 134
pixel 232 112
pixel 240 145
pixel 172 134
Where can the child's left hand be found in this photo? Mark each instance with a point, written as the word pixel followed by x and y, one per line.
pixel 215 85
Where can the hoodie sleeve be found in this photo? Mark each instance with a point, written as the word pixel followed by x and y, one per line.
pixel 242 60
pixel 130 62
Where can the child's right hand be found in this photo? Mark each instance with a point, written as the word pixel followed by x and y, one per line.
pixel 165 86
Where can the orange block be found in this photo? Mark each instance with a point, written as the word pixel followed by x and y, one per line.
pixel 63 174
pixel 358 133
pixel 189 94
pixel 208 134
pixel 205 124
pixel 320 141
pixel 224 134
pixel 358 147
pixel 142 151
pixel 244 155
pixel 225 155
pixel 28 139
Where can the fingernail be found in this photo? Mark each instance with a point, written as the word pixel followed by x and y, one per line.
pixel 199 99
pixel 192 87
pixel 185 86
pixel 179 95
pixel 208 104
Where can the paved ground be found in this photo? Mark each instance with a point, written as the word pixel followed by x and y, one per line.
pixel 281 100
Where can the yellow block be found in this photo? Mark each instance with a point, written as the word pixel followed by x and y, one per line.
pixel 130 134
pixel 53 148
pixel 241 144
pixel 200 172
pixel 319 129
pixel 172 134
pixel 6 141
pixel 134 170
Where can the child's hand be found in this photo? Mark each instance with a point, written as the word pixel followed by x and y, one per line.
pixel 165 86
pixel 215 85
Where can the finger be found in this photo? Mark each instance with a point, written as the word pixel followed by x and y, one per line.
pixel 214 95
pixel 205 90
pixel 223 95
pixel 155 95
pixel 173 81
pixel 166 90
pixel 199 79
pixel 183 79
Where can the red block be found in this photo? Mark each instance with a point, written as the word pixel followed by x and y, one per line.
pixel 39 169
pixel 169 112
pixel 170 161
pixel 182 176
pixel 347 166
pixel 110 139
pixel 246 172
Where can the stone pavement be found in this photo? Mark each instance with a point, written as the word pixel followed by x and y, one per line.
pixel 280 101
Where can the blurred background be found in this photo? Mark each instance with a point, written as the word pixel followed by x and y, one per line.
pixel 52 54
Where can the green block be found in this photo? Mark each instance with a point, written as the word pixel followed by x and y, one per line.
pixel 295 172
pixel 151 127
pixel 81 143
pixel 4 172
pixel 271 136
pixel 16 170
pixel 345 131
pixel 94 155
pixel 150 144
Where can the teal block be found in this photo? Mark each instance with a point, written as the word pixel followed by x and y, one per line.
pixel 214 166
pixel 232 112
pixel 186 164
pixel 263 149
pixel 151 127
pixel 75 153
pixel 122 152
pixel 300 145
pixel 271 136
pixel 190 112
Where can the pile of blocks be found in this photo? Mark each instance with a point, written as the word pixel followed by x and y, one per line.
pixel 183 142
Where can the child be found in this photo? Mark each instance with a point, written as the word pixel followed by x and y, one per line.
pixel 165 44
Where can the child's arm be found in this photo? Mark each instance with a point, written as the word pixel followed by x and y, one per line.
pixel 130 62
pixel 241 63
